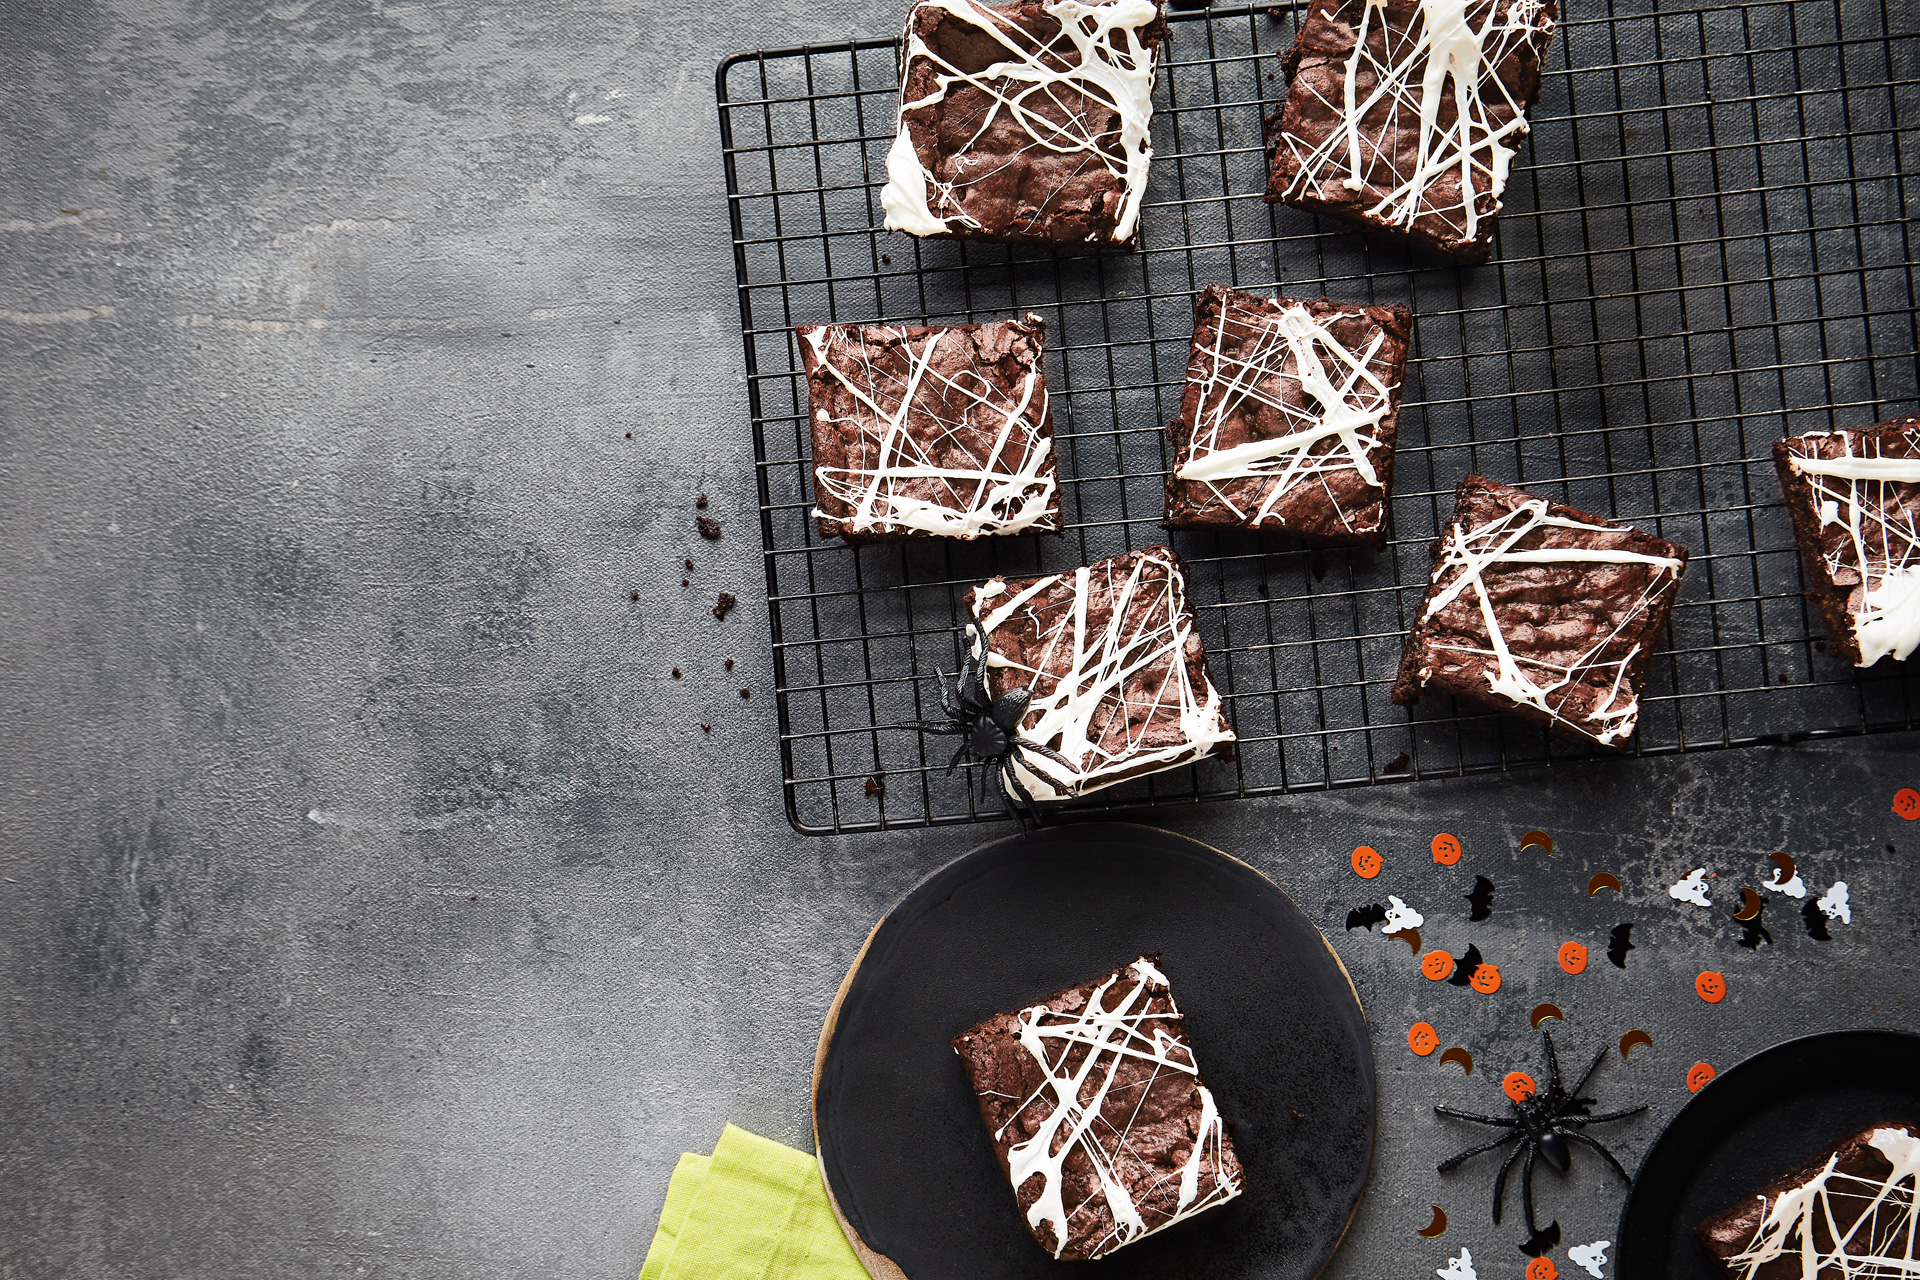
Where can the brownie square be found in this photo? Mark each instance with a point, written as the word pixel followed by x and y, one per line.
pixel 1291 411
pixel 1358 140
pixel 930 432
pixel 1095 1105
pixel 1852 1217
pixel 1017 126
pixel 1117 673
pixel 1541 610
pixel 1855 501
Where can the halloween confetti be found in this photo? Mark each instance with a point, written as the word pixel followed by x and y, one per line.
pixel 1590 1257
pixel 1436 965
pixel 1816 921
pixel 1711 986
pixel 1619 942
pixel 1906 803
pixel 1366 917
pixel 1401 917
pixel 1460 1268
pixel 1446 849
pixel 1366 862
pixel 1786 880
pixel 1422 1038
pixel 1438 1227
pixel 1834 905
pixel 1692 889
pixel 1537 840
pixel 1698 1075
pixel 1485 979
pixel 1573 957
pixel 1480 901
pixel 1604 880
pixel 1633 1040
pixel 1461 1056
pixel 1463 971
pixel 1539 1242
pixel 1541 1012
pixel 1518 1085
pixel 1749 906
pixel 1753 934
pixel 1542 1268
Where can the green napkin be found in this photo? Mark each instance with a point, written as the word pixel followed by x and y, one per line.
pixel 754 1210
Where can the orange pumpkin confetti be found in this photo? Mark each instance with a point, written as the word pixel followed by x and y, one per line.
pixel 1446 849
pixel 1519 1086
pixel 1366 862
pixel 1542 1268
pixel 1422 1038
pixel 1697 1076
pixel 1906 803
pixel 1486 979
pixel 1711 986
pixel 1436 965
pixel 1573 957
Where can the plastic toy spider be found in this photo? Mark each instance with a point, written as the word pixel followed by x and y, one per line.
pixel 1543 1125
pixel 989 731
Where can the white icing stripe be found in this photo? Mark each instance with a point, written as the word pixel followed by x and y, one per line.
pixel 1884 536
pixel 1466 143
pixel 1469 553
pixel 989 497
pixel 1113 682
pixel 1872 1226
pixel 1097 54
pixel 1078 1093
pixel 1291 348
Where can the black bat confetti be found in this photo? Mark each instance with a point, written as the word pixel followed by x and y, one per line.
pixel 1463 970
pixel 1619 942
pixel 1816 922
pixel 1753 934
pixel 1368 916
pixel 1481 899
pixel 1542 1240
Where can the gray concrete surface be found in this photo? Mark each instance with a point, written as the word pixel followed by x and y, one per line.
pixel 373 905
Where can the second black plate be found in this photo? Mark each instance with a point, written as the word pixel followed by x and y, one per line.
pixel 1753 1123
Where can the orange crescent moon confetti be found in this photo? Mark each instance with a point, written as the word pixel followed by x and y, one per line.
pixel 1366 862
pixel 1711 986
pixel 1541 1012
pixel 1436 1228
pixel 1518 1085
pixel 1785 862
pixel 1422 1038
pixel 1749 905
pixel 1540 838
pixel 1446 848
pixel 1698 1075
pixel 1604 880
pixel 1461 1056
pixel 1633 1040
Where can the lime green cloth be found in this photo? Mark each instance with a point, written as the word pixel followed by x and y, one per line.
pixel 754 1210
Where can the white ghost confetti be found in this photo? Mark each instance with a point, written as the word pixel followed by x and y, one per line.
pixel 1835 905
pixel 1460 1268
pixel 1794 888
pixel 1590 1257
pixel 1692 889
pixel 1401 917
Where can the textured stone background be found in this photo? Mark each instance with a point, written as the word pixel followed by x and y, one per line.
pixel 372 904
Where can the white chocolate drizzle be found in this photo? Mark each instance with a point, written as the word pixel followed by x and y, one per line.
pixel 1852 492
pixel 1098 54
pixel 991 496
pixel 1134 666
pixel 1291 349
pixel 1469 553
pixel 1076 1091
pixel 1441 57
pixel 1861 1217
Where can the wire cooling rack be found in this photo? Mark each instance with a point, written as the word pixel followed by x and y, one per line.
pixel 1706 246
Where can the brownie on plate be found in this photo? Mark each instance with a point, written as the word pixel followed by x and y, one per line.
pixel 1097 1112
pixel 1117 674
pixel 1024 122
pixel 1541 610
pixel 1374 132
pixel 1288 424
pixel 1855 501
pixel 1844 1215
pixel 924 432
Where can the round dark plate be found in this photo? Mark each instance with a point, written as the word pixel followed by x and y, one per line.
pixel 1765 1117
pixel 1274 1022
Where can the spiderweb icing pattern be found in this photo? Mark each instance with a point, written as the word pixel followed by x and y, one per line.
pixel 1442 57
pixel 1882 539
pixel 1874 1227
pixel 1468 553
pixel 1101 683
pixel 1293 348
pixel 1097 54
pixel 1079 1055
pixel 1006 488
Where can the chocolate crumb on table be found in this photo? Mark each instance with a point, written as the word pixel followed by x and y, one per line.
pixel 724 605
pixel 729 664
pixel 700 503
pixel 1358 140
pixel 1140 1145
pixel 709 527
pixel 1052 147
pixel 1542 611
pixel 746 693
pixel 634 596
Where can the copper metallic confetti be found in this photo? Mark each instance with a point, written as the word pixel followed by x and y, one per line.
pixel 1541 1012
pixel 1633 1040
pixel 1604 880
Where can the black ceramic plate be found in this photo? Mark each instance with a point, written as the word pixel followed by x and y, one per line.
pixel 1766 1116
pixel 1273 1019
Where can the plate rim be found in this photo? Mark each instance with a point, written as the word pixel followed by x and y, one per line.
pixel 878 1265
pixel 1702 1098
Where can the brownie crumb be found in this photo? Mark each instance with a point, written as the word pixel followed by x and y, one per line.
pixel 700 503
pixel 705 727
pixel 876 786
pixel 629 434
pixel 884 258
pixel 1399 763
pixel 1785 678
pixel 1296 1115
pixel 676 673
pixel 686 582
pixel 709 527
pixel 634 596
pixel 746 693
pixel 689 564
pixel 729 664
pixel 724 605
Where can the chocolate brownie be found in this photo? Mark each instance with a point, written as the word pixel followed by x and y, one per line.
pixel 1117 672
pixel 1018 126
pixel 1844 1215
pixel 1290 415
pixel 1095 1105
pixel 1541 610
pixel 1855 501
pixel 1358 139
pixel 924 432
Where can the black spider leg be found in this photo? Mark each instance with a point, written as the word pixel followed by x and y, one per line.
pixel 1602 1119
pixel 1449 1165
pixel 1595 1144
pixel 1505 1122
pixel 1553 1065
pixel 1526 1190
pixel 1500 1179
pixel 1582 1086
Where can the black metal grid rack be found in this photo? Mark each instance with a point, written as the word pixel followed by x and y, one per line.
pixel 1706 246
